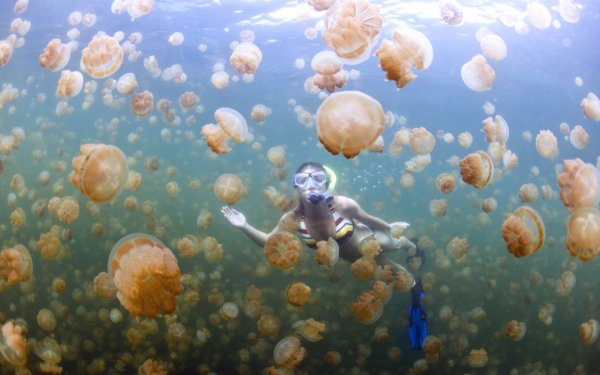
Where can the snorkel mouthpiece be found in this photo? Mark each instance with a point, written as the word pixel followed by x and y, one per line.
pixel 315 198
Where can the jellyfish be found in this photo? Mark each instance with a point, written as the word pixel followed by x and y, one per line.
pixel 310 329
pixel 546 144
pixel 445 183
pixel 320 5
pixel 49 351
pixel 212 249
pixel 496 130
pixel 489 204
pixel 528 193
pixel 451 12
pixel 327 252
pixel 49 244
pixel 68 210
pixel 282 250
pixel 15 264
pixel 590 104
pixel 349 122
pixel 230 125
pixel 6 50
pixel 228 188
pixel 565 284
pixel 329 72
pixel 351 28
pixel 382 291
pixel 268 325
pixel 438 207
pixel 298 294
pixel 229 311
pixel 515 330
pixel 102 57
pixel 579 184
pixel 259 113
pixel 220 79
pixel 46 320
pixel 538 15
pixel 588 332
pixel 56 55
pixel 188 100
pixel 523 231
pixel 421 141
pixel 477 74
pixel 13 344
pixel 176 39
pixel 369 247
pixel 188 246
pixel 583 233
pixel 146 275
pixel 477 169
pixel 276 155
pixel 139 8
pixel 465 139
pixel 457 249
pixel 245 58
pixel 18 219
pixel 579 138
pixel 493 47
pixel 477 358
pixel 288 353
pixel 432 346
pixel 363 268
pixel 368 309
pixel 69 84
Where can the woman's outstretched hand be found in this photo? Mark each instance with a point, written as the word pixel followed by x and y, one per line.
pixel 236 218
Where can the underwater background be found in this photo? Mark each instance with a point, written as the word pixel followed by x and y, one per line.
pixel 539 85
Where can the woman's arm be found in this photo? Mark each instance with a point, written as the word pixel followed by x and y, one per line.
pixel 238 220
pixel 348 207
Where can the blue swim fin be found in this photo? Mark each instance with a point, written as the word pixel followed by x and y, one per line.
pixel 417 318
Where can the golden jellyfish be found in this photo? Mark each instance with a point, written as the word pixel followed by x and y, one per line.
pixel 100 172
pixel 49 244
pixel 528 193
pixel 333 358
pixel 56 55
pixel 432 346
pixel 363 268
pixel 245 58
pixel 230 125
pixel 408 49
pixel 126 83
pixel 320 5
pixel 288 353
pixel 220 79
pixel 188 246
pixel 583 233
pixel 228 188
pixel 457 249
pixel 188 100
pixel 212 249
pixel 349 122
pixel 142 103
pixel 477 358
pixel 13 345
pixel 465 139
pixel 588 332
pixel 493 47
pixel 351 28
pixel 15 264
pixel 102 57
pixel 489 205
pixel 477 74
pixel 579 184
pixel 382 291
pixel 477 169
pixel 298 294
pixel 369 247
pixel 546 144
pixel 139 8
pixel 46 320
pixel 327 252
pixel 515 330
pixel 309 329
pixel 282 250
pixel 578 137
pixel 268 325
pixel 438 207
pixel 538 15
pixel 276 155
pixel 451 12
pixel 70 84
pixel 445 183
pixel 259 113
pixel 421 141
pixel 104 286
pixel 398 277
pixel 496 129
pixel 59 285
pixel 590 104
pixel 523 231
pixel 68 210
pixel 18 219
pixel 146 275
pixel 6 50
pixel 368 309
pixel 329 72
pixel 229 311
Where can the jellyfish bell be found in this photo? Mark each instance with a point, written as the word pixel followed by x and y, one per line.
pixel 327 252
pixel 245 58
pixel 477 74
pixel 13 345
pixel 477 169
pixel 477 358
pixel 70 83
pixel 408 49
pixel 228 188
pixel 515 330
pixel 588 332
pixel 348 122
pixel 493 47
pixel 55 56
pixel 583 233
pixel 282 250
pixel 546 144
pixel 15 264
pixel 100 172
pixel 146 275
pixel 451 12
pixel 579 184
pixel 368 309
pixel 288 353
pixel 538 15
pixel 523 231
pixel 421 141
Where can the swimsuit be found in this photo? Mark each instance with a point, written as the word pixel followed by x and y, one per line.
pixel 344 228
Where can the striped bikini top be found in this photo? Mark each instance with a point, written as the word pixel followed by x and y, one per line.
pixel 344 228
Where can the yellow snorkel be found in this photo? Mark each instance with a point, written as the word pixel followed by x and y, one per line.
pixel 332 177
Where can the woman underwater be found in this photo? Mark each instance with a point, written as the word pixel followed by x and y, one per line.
pixel 321 215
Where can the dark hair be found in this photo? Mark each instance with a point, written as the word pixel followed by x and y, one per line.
pixel 315 165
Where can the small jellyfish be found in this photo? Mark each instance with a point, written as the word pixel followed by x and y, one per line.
pixel 445 183
pixel 127 83
pixel 176 39
pixel 546 144
pixel 328 71
pixel 139 8
pixel 327 252
pixel 70 83
pixel 528 193
pixel 146 275
pixel 188 100
pixel 369 247
pixel 493 47
pixel 579 184
pixel 268 325
pixel 298 294
pixel 228 188
pixel 421 141
pixel 100 172
pixel 68 210
pixel 583 233
pixel 259 113
pixel 438 207
pixel 348 122
pixel 515 330
pixel 588 332
pixel 46 320
pixel 368 309
pixel 523 231
pixel 590 104
pixel 477 358
pixel 451 12
pixel 229 311
pixel 477 74
pixel 56 55
pixel 579 138
pixel 230 125
pixel 142 103
pixel 13 345
pixel 245 58
pixel 363 268
pixel 282 250
pixel 102 57
pixel 477 169
pixel 309 329
pixel 538 15
pixel 15 264
pixel 288 353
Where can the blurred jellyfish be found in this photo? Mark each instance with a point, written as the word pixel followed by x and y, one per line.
pixel 538 15
pixel 368 309
pixel 70 83
pixel 268 325
pixel 451 12
pixel 528 193
pixel 579 138
pixel 523 231
pixel 13 345
pixel 591 106
pixel 309 329
pixel 142 103
pixel 230 125
pixel 546 144
pixel 245 58
pixel 327 252
pixel 329 72
pixel 493 47
pixel 349 122
pixel 15 264
pixel 477 358
pixel 288 353
pixel 282 250
pixel 55 56
pixel 583 233
pixel 477 169
pixel 102 57
pixel 588 332
pixel 477 74
pixel 228 188
pixel 515 330
pixel 579 184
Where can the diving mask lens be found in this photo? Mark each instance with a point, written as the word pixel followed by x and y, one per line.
pixel 319 178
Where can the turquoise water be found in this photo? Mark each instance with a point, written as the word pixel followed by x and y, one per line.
pixel 534 90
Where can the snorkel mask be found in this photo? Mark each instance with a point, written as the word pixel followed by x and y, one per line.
pixel 317 179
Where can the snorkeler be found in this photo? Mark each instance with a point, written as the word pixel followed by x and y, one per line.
pixel 417 318
pixel 322 215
